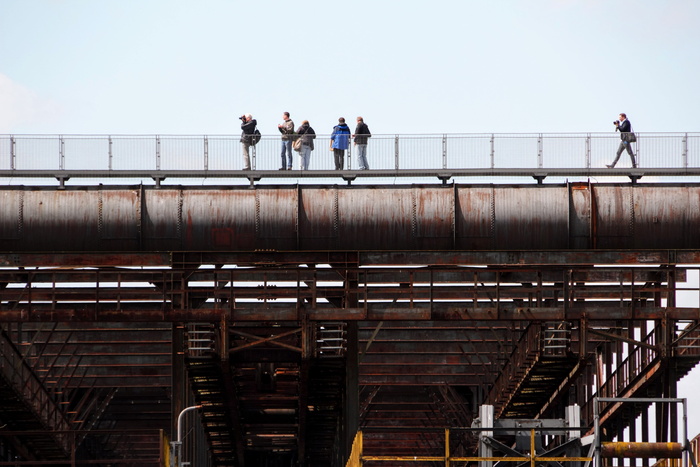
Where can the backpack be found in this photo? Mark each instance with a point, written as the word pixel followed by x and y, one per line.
pixel 255 137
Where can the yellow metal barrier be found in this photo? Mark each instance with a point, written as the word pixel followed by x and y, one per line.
pixel 165 448
pixel 356 454
pixel 357 458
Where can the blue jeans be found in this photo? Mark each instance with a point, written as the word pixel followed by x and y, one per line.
pixel 286 147
pixel 305 156
pixel 362 157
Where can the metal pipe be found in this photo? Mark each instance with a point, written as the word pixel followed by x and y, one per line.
pixel 466 218
pixel 177 444
pixel 642 450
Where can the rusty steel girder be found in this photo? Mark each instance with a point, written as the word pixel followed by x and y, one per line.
pixel 578 216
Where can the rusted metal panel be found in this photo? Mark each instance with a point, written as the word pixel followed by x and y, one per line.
pixel 580 216
pixel 475 218
pixel 615 217
pixel 531 218
pixel 433 217
pixel 223 220
pixel 669 215
pixel 318 218
pixel 370 219
pixel 55 219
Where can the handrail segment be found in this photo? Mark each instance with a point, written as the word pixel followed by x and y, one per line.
pixel 448 155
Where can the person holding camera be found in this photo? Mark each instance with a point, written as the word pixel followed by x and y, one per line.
pixel 248 125
pixel 340 141
pixel 627 138
pixel 287 130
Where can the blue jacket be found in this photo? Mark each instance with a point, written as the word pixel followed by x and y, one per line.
pixel 340 136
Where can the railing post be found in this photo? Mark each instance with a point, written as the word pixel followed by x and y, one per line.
pixel 206 152
pixel 396 152
pixel 157 152
pixel 254 154
pixel 685 151
pixel 349 163
pixel 539 151
pixel 111 155
pixel 62 153
pixel 493 152
pixel 588 151
pixel 13 153
pixel 444 151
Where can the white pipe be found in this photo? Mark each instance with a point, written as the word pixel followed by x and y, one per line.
pixel 176 444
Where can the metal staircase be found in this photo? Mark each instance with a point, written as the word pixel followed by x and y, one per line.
pixel 541 360
pixel 28 406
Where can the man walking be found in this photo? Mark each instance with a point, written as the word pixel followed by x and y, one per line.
pixel 627 137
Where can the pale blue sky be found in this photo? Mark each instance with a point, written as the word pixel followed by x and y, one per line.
pixel 459 66
pixel 186 67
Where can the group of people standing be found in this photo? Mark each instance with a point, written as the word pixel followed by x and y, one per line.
pixel 302 140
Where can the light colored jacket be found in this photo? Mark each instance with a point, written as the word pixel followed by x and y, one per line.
pixel 287 130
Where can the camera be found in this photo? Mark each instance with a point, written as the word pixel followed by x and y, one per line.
pixel 616 122
pixel 242 118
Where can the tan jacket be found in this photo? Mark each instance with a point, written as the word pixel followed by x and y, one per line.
pixel 287 129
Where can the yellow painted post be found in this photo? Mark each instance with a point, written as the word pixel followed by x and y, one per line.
pixel 447 447
pixel 359 457
pixel 532 448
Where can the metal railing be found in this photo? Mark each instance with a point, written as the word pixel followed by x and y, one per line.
pixel 201 155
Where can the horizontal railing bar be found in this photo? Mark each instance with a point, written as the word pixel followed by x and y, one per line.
pixel 444 156
pixel 259 174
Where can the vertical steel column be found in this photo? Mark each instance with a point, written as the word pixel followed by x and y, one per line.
pixel 157 152
pixel 13 153
pixel 396 152
pixel 444 151
pixel 352 386
pixel 62 153
pixel 206 152
pixel 110 154
pixel 588 151
pixel 486 415
pixel 307 350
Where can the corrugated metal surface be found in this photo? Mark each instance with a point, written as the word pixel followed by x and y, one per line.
pixel 527 217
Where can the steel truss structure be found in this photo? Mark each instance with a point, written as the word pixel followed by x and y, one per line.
pixel 289 352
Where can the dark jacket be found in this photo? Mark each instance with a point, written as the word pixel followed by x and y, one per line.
pixel 248 130
pixel 624 127
pixel 362 133
pixel 307 135
pixel 340 139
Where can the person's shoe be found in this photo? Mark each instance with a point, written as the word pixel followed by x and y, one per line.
pixel 282 168
pixel 289 168
pixel 609 166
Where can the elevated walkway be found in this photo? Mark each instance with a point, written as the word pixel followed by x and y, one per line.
pixel 156 158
